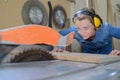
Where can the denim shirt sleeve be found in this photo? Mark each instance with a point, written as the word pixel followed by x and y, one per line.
pixel 71 29
pixel 113 31
pixel 66 31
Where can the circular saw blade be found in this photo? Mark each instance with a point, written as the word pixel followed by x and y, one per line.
pixel 27 53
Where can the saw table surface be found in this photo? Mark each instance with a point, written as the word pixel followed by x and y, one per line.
pixel 59 70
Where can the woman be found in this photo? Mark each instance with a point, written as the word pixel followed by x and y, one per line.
pixel 93 35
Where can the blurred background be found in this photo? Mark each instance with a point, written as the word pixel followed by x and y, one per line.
pixel 20 12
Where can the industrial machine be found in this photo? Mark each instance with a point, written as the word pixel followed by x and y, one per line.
pixel 26 42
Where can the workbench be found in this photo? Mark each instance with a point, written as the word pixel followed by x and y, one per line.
pixel 60 70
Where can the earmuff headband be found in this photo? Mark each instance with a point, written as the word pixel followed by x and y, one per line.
pixel 96 19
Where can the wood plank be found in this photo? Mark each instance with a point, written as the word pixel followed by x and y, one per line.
pixel 85 57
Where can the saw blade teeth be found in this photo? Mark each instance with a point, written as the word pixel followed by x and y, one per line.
pixel 28 53
pixel 7 59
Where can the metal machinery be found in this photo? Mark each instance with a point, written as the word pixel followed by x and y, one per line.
pixel 59 70
pixel 26 43
pixel 27 56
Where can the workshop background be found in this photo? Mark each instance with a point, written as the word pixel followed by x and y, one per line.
pixel 15 13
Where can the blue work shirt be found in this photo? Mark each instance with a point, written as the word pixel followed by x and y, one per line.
pixel 102 42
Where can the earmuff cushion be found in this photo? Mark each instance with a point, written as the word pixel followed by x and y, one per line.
pixel 97 22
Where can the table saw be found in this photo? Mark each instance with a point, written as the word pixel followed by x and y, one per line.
pixel 28 56
pixel 60 70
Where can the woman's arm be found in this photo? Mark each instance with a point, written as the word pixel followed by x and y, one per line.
pixel 67 31
pixel 114 31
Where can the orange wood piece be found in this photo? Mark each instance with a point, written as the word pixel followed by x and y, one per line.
pixel 31 34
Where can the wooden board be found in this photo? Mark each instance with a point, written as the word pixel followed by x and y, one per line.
pixel 85 57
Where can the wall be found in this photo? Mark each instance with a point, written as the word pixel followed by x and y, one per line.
pixel 116 44
pixel 10 11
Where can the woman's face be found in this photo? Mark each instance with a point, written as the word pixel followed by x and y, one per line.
pixel 85 28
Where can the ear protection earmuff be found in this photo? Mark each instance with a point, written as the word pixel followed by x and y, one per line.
pixel 97 21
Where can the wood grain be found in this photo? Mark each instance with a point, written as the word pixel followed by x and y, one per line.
pixel 85 57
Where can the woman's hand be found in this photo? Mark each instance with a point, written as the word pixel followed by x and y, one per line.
pixel 115 52
pixel 58 50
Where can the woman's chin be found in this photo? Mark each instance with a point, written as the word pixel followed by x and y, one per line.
pixel 85 38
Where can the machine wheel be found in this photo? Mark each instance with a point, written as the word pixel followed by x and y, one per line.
pixel 27 53
pixel 34 12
